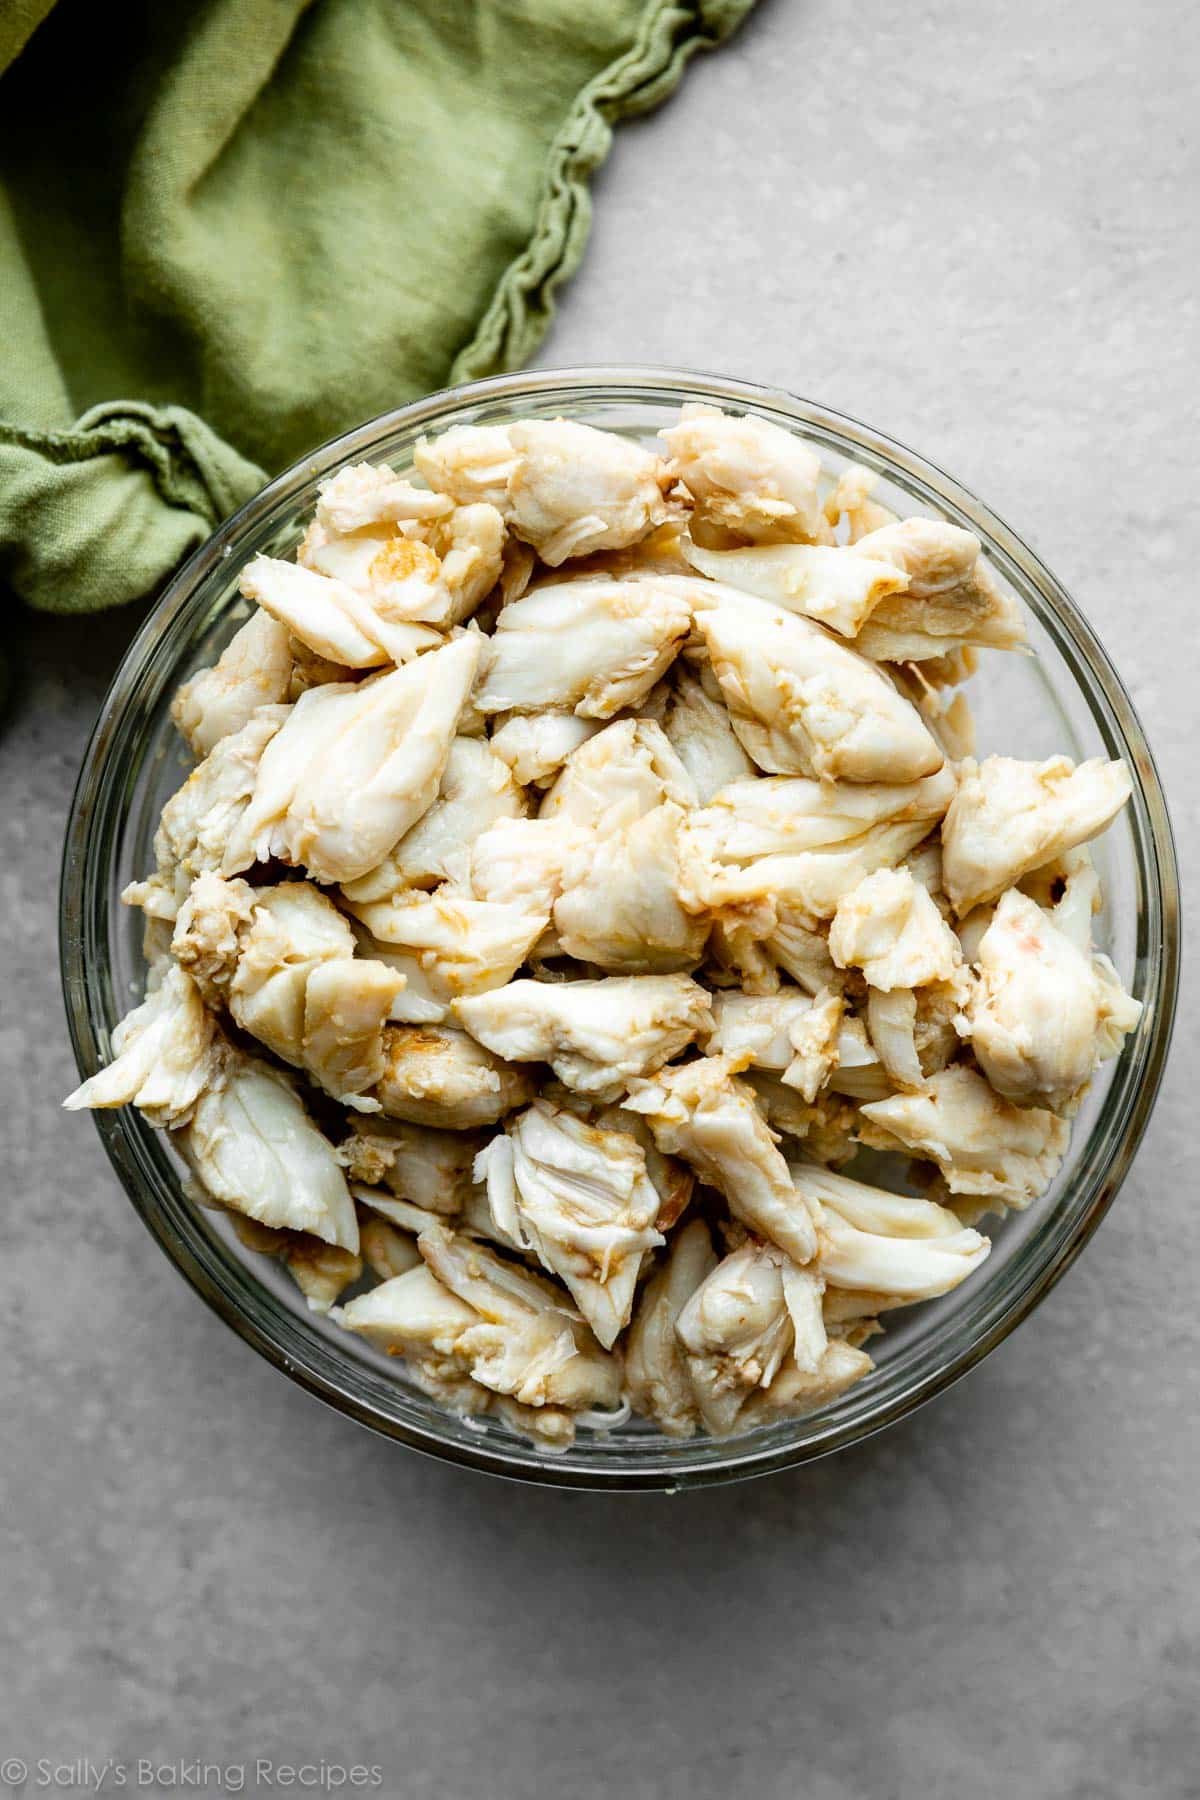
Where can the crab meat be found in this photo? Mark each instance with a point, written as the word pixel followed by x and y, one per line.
pixel 536 745
pixel 1044 1014
pixel 851 500
pixel 623 773
pixel 754 1309
pixel 657 1379
pixel 832 585
pixel 895 1246
pixel 477 789
pixel 354 768
pixel 436 1075
pixel 254 669
pixel 697 725
pixel 199 820
pixel 565 488
pixel 791 1033
pixel 981 1142
pixel 283 959
pixel 580 1199
pixel 1009 817
pixel 747 477
pixel 804 704
pixel 386 1251
pixel 587 646
pixel 889 927
pixel 253 1148
pixel 427 1168
pixel 802 844
pixel 460 945
pixel 596 1035
pixel 702 1112
pixel 525 1340
pixel 620 908
pixel 796 1392
pixel 949 600
pixel 520 862
pixel 366 495
pixel 165 1056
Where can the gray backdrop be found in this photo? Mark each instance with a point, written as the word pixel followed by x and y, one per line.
pixel 977 228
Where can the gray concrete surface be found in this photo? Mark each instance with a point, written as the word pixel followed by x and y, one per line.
pixel 978 228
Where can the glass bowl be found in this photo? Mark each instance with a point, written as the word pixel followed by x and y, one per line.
pixel 1068 698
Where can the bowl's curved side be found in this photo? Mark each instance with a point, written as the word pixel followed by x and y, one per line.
pixel 112 786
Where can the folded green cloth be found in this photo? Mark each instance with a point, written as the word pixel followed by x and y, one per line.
pixel 270 219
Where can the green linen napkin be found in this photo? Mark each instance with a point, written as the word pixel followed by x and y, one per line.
pixel 268 220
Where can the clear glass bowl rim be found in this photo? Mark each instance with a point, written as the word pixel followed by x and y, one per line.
pixel 306 1358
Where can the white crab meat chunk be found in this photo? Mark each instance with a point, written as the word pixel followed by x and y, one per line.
pixel 527 1340
pixel 833 585
pixel 520 862
pixel 703 1113
pixel 459 944
pixel 580 1199
pixel 209 931
pixel 353 768
pixel 536 745
pixel 346 1005
pixel 199 820
pixel 590 646
pixel 621 774
pixel 438 1075
pixel 427 1168
pixel 477 789
pixel 796 1392
pixel 357 626
pixel 891 1245
pixel 791 1033
pixel 430 571
pixel 698 727
pixel 565 488
pixel 1009 817
pixel 165 1055
pixel 385 581
pixel 802 951
pixel 596 1035
pixel 471 463
pixel 892 1023
pixel 366 495
pixel 801 844
pixel 283 959
pixel 754 1309
pixel 253 1147
pixel 1044 1014
pixel 949 601
pixel 889 927
pixel 415 1316
pixel 982 1143
pixel 804 704
pixel 748 477
pixel 254 669
pixel 851 499
pixel 657 1379
pixel 620 909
